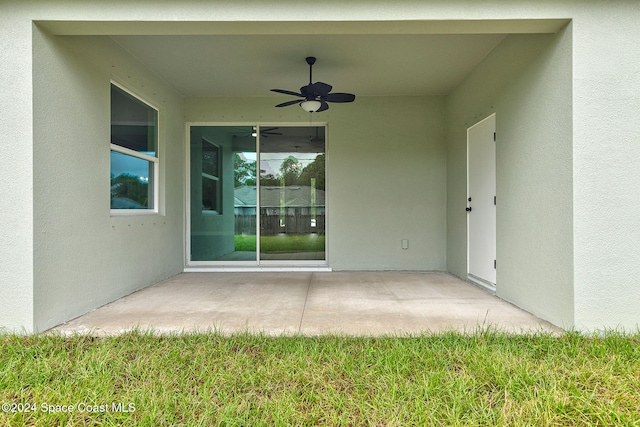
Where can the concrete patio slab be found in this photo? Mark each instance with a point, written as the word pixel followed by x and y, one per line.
pixel 308 303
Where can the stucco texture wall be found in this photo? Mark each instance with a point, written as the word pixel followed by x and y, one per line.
pixel 83 256
pixel 386 176
pixel 526 81
pixel 606 169
pixel 16 173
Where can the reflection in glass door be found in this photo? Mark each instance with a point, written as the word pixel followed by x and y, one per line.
pixel 226 212
pixel 223 193
pixel 292 195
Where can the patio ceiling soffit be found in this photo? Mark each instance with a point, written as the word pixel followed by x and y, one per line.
pixel 489 26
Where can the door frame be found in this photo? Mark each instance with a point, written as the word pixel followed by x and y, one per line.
pixel 257 265
pixel 475 279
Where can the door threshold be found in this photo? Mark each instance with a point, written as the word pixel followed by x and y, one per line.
pixel 491 287
pixel 254 269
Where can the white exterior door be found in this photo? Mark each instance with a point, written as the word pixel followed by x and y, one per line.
pixel 481 202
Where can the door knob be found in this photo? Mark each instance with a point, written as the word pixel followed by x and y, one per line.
pixel 468 209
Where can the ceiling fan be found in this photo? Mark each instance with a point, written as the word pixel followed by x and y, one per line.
pixel 315 96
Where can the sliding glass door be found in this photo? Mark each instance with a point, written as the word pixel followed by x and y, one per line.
pixel 240 214
pixel 292 195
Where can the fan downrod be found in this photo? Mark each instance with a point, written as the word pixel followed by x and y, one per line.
pixel 311 60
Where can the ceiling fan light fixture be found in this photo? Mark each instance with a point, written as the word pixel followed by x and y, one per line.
pixel 311 106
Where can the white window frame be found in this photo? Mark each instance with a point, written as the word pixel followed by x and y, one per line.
pixel 155 161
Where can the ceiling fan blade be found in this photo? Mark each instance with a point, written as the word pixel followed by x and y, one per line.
pixel 340 97
pixel 284 104
pixel 320 88
pixel 323 107
pixel 287 92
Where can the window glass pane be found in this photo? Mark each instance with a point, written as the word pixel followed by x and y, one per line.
pixel 210 195
pixel 134 124
pixel 131 182
pixel 211 170
pixel 210 159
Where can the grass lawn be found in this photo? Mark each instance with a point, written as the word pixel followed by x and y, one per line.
pixel 281 243
pixel 489 378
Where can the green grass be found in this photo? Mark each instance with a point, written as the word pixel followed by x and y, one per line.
pixel 281 243
pixel 482 379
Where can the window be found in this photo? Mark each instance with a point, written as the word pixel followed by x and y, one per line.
pixel 211 194
pixel 134 153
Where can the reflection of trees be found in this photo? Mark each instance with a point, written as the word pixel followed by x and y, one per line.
pixel 130 187
pixel 315 170
pixel 269 180
pixel 291 171
pixel 245 172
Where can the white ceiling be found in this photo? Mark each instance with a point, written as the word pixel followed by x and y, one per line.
pixel 364 64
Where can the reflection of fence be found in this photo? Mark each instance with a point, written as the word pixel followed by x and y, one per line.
pixel 271 224
pixel 245 224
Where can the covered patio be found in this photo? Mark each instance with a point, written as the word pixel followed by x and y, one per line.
pixel 308 303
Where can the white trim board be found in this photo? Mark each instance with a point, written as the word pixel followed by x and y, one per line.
pixel 262 269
